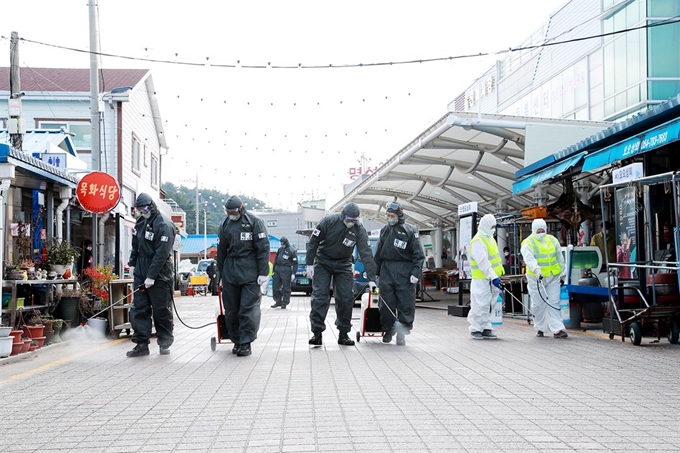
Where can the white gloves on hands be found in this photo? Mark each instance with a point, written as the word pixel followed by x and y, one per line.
pixel 292 278
pixel 132 271
pixel 148 283
pixel 310 271
pixel 414 280
pixel 262 279
pixel 372 286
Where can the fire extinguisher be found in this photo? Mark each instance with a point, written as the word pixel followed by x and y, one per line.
pixel 667 232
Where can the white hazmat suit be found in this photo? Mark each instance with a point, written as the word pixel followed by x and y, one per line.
pixel 544 294
pixel 483 292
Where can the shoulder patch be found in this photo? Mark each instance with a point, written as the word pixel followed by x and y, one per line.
pixel 262 235
pixel 316 232
pixel 415 235
pixel 164 239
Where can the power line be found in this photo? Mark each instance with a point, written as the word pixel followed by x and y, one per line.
pixel 268 65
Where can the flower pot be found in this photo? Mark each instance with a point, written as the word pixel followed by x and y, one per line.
pixel 17 336
pixel 60 268
pixel 68 310
pixel 48 337
pixel 6 346
pixel 27 344
pixel 34 331
pixel 16 348
pixel 40 341
pixel 4 331
pixel 57 325
pixel 32 347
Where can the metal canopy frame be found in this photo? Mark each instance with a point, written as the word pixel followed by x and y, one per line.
pixel 462 157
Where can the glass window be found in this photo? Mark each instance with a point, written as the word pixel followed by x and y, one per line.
pixel 661 90
pixel 136 151
pixel 580 84
pixel 664 8
pixel 664 57
pixel 154 171
pixel 620 64
pixel 81 132
pixel 609 69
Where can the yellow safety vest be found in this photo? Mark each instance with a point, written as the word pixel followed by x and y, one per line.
pixel 494 257
pixel 546 255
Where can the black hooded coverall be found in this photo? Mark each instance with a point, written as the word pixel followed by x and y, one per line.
pixel 398 256
pixel 330 249
pixel 242 256
pixel 285 264
pixel 151 256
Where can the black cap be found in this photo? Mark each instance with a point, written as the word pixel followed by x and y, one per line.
pixel 233 203
pixel 284 240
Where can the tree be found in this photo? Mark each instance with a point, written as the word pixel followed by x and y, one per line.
pixel 210 200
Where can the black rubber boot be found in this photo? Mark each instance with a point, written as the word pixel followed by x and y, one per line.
pixel 139 350
pixel 235 349
pixel 345 340
pixel 316 339
pixel 164 350
pixel 276 305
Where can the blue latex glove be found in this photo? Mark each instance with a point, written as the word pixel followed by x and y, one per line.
pixel 496 282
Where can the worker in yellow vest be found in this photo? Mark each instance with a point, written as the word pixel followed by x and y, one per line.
pixel 545 270
pixel 486 269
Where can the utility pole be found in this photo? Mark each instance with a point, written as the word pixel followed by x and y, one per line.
pixel 94 110
pixel 197 211
pixel 15 125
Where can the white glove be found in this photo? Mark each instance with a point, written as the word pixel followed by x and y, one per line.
pixel 310 271
pixel 372 286
pixel 414 280
pixel 292 278
pixel 262 279
pixel 148 283
pixel 132 271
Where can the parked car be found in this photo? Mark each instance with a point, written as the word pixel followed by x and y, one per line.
pixel 202 268
pixel 302 283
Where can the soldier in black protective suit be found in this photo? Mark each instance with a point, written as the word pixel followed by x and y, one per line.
pixel 329 255
pixel 242 266
pixel 151 266
pixel 399 259
pixel 212 275
pixel 285 265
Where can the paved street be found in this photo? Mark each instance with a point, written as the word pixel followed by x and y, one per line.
pixel 442 392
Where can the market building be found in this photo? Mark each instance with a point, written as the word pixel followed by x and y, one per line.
pixel 540 132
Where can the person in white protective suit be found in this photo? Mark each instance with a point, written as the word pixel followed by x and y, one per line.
pixel 486 269
pixel 545 270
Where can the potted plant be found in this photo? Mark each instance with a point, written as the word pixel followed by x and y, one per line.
pixel 96 281
pixel 61 255
pixel 68 305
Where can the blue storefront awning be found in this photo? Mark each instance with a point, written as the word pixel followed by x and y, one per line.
pixel 647 141
pixel 546 173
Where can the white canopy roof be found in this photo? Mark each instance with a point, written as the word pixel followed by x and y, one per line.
pixel 463 157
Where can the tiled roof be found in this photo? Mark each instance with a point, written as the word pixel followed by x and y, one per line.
pixel 72 80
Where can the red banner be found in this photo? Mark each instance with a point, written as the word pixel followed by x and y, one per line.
pixel 98 192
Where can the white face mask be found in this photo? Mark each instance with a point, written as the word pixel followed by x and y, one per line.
pixel 349 224
pixel 392 220
pixel 146 215
pixel 234 218
pixel 507 253
pixel 540 236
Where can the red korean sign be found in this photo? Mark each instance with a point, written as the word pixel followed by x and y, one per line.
pixel 98 192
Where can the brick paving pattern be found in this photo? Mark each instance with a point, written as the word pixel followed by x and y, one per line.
pixel 442 392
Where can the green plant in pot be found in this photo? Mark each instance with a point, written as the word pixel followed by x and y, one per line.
pixel 61 255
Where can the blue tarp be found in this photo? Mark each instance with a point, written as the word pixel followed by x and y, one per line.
pixel 545 174
pixel 641 143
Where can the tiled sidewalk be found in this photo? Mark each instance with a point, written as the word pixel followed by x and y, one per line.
pixel 442 392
